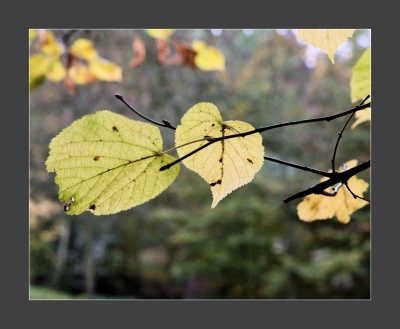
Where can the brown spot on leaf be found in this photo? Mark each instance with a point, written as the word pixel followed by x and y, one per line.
pixel 66 207
pixel 217 182
pixel 220 159
pixel 213 125
pixel 251 161
pixel 115 129
pixel 96 158
pixel 93 207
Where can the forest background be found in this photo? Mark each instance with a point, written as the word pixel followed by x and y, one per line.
pixel 251 245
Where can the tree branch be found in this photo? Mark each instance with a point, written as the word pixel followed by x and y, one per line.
pixel 355 196
pixel 262 129
pixel 337 178
pixel 340 134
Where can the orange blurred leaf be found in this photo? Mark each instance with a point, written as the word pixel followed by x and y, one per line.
pixel 317 206
pixel 163 50
pixel 186 54
pixel 81 74
pixel 140 52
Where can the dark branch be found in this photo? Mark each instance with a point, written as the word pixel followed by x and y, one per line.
pixel 165 123
pixel 262 129
pixel 337 178
pixel 340 134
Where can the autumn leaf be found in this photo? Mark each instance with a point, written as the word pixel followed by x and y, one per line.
pixel 106 163
pixel 162 34
pixel 81 74
pixel 317 206
pixel 163 50
pixel 32 35
pixel 186 54
pixel 105 70
pixel 326 40
pixel 208 58
pixel 57 71
pixel 225 165
pixel 39 65
pixel 139 50
pixel 50 46
pixel 84 49
pixel 360 85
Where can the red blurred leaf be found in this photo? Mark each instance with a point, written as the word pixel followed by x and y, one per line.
pixel 186 53
pixel 140 52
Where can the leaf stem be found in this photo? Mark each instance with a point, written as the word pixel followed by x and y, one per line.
pixel 165 123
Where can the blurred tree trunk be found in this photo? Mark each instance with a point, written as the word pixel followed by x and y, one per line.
pixel 62 251
pixel 88 260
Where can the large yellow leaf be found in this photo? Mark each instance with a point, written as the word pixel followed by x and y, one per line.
pixel 106 163
pixel 225 165
pixel 317 206
pixel 360 85
pixel 162 34
pixel 105 70
pixel 326 40
pixel 208 58
pixel 84 48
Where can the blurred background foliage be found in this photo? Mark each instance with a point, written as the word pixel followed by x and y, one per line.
pixel 251 245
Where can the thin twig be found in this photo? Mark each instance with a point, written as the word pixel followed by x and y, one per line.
pixel 355 196
pixel 165 123
pixel 340 134
pixel 315 171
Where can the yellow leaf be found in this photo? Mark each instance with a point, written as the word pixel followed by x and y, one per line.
pixel 160 33
pixel 106 163
pixel 317 206
pixel 105 70
pixel 208 58
pixel 57 71
pixel 39 65
pixel 360 85
pixel 50 46
pixel 84 48
pixel 225 165
pixel 326 40
pixel 81 74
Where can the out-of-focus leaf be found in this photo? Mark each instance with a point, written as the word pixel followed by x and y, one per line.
pixel 224 165
pixel 39 65
pixel 105 70
pixel 360 85
pixel 84 48
pixel 81 74
pixel 186 54
pixel 316 206
pixel 163 50
pixel 208 58
pixel 50 46
pixel 139 50
pixel 326 40
pixel 160 34
pixel 57 71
